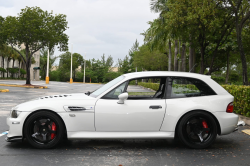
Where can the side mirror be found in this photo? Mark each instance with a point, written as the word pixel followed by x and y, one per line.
pixel 122 97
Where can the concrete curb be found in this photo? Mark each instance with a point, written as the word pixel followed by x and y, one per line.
pixel 4 90
pixel 245 119
pixel 84 83
pixel 23 86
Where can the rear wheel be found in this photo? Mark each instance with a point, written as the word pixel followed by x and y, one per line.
pixel 44 130
pixel 197 129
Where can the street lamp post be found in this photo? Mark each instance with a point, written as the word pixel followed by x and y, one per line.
pixel 84 68
pixel 71 80
pixel 47 76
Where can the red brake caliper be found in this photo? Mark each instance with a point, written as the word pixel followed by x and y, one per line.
pixel 204 124
pixel 53 128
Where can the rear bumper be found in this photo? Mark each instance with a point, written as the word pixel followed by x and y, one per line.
pixel 228 122
pixel 14 139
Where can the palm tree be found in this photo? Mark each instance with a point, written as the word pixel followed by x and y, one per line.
pixel 19 58
pixel 157 35
pixel 3 54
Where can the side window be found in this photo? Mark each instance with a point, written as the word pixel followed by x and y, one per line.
pixel 189 87
pixel 146 88
pixel 113 94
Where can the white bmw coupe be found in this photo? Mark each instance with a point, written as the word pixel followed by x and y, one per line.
pixel 189 106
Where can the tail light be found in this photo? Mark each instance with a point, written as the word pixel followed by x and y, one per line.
pixel 230 107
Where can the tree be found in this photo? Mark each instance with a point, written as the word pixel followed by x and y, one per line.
pixel 43 61
pixel 158 37
pixel 3 54
pixel 65 64
pixel 131 53
pixel 150 60
pixel 124 66
pixel 241 11
pixel 2 36
pixel 35 29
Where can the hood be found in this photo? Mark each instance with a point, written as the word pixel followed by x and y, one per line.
pixel 68 96
pixel 56 102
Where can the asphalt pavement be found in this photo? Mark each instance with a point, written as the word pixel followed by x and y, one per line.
pixel 232 149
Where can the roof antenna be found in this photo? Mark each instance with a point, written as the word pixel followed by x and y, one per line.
pixel 192 67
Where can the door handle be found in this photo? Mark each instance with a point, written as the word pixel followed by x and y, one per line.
pixel 155 107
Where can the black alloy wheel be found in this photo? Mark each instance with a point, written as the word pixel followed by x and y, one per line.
pixel 44 130
pixel 197 129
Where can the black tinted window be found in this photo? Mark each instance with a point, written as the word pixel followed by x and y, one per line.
pixel 189 87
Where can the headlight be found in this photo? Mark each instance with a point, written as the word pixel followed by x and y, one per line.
pixel 14 113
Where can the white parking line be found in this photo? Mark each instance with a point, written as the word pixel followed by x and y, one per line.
pixel 4 133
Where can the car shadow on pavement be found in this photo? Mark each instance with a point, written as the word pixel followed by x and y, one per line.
pixel 163 144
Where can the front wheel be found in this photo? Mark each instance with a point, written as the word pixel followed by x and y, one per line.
pixel 44 130
pixel 197 129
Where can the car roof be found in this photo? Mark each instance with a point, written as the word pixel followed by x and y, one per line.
pixel 165 73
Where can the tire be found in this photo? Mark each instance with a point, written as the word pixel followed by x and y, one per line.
pixel 44 130
pixel 194 133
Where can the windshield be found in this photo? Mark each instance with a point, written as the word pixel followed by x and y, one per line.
pixel 106 86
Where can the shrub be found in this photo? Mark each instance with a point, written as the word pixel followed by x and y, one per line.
pixel 234 77
pixel 241 98
pixel 54 75
pixel 153 86
pixel 22 71
pixel 219 80
pixel 2 70
pixel 110 76
pixel 12 70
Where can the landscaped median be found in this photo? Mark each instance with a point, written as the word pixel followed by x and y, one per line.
pixel 25 86
pixel 241 96
pixel 4 90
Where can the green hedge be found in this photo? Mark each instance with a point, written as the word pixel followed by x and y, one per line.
pixel 153 86
pixel 2 70
pixel 241 96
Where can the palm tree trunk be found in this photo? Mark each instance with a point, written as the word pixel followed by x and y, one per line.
pixel 8 67
pixel 3 64
pixel 183 57
pixel 242 56
pixel 169 56
pixel 194 59
pixel 202 68
pixel 175 56
pixel 13 66
pixel 227 75
pixel 191 58
pixel 19 62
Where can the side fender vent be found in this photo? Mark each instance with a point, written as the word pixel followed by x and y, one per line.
pixel 73 108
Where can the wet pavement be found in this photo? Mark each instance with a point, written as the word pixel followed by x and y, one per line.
pixel 232 149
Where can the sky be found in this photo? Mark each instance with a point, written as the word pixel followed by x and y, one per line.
pixel 96 27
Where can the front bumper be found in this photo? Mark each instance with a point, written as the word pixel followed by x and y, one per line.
pixel 14 139
pixel 16 126
pixel 228 122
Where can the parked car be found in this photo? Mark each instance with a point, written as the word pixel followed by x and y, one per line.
pixel 189 106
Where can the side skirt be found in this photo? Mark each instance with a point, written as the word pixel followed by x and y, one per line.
pixel 119 135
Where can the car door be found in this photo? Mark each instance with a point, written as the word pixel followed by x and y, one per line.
pixel 136 114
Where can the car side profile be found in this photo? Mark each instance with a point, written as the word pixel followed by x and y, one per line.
pixel 189 106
